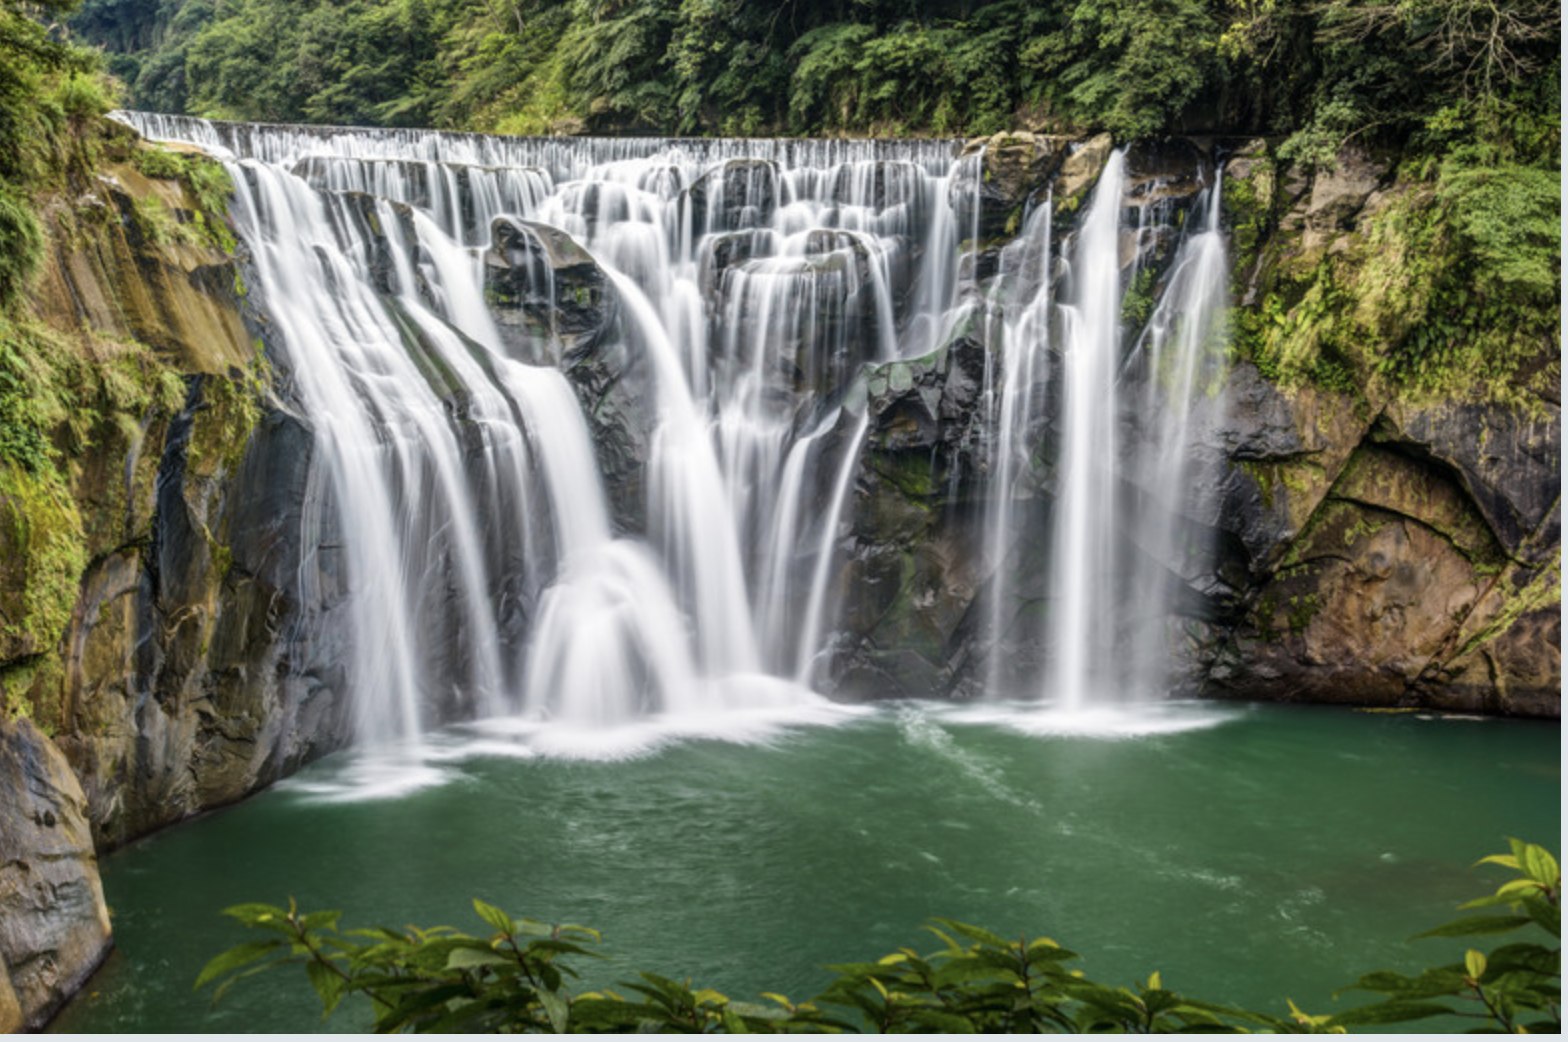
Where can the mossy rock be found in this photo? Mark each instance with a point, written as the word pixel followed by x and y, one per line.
pixel 42 554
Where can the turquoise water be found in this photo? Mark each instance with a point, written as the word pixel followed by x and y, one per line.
pixel 1249 854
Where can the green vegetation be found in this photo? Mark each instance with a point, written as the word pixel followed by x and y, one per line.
pixel 518 979
pixel 48 90
pixel 1321 73
pixel 1448 288
pixel 68 392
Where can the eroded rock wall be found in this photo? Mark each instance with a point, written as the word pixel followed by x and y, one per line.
pixel 157 624
pixel 54 926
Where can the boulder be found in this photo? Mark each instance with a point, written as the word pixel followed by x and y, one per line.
pixel 554 304
pixel 1079 172
pixel 733 196
pixel 1319 208
pixel 550 298
pixel 54 925
pixel 1013 169
pixel 365 213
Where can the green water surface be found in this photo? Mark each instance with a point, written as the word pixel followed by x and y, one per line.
pixel 1278 852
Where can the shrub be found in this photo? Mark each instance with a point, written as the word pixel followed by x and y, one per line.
pixel 516 979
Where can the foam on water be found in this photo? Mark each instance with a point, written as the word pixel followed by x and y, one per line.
pixel 769 710
pixel 1109 723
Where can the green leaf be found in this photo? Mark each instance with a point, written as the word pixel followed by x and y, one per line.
pixel 471 958
pixel 224 986
pixel 321 920
pixel 256 914
pixel 1540 866
pixel 1475 964
pixel 328 984
pixel 233 959
pixel 1506 860
pixel 557 1008
pixel 1548 915
pixel 494 916
pixel 1389 1013
pixel 1476 925
pixel 974 933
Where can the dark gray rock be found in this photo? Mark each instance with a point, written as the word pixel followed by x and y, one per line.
pixel 913 565
pixel 1508 460
pixel 54 925
pixel 200 669
pixel 735 195
pixel 554 304
pixel 550 298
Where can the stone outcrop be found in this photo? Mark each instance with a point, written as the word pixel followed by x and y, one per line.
pixel 1014 168
pixel 738 193
pixel 554 305
pixel 54 926
pixel 550 298
pixel 179 667
pixel 1379 566
pixel 912 570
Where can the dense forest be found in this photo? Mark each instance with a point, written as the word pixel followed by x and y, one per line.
pixel 1321 72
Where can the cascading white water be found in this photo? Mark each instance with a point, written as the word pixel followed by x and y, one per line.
pixel 1180 357
pixel 1018 315
pixel 1083 623
pixel 1122 424
pixel 754 281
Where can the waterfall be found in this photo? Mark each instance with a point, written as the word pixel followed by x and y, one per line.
pixel 487 570
pixel 1179 359
pixel 589 413
pixel 1018 314
pixel 1083 623
pixel 1124 473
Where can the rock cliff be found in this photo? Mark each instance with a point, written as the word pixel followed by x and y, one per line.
pixel 153 621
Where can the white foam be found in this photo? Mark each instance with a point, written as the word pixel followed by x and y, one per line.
pixel 385 773
pixel 1142 720
pixel 772 709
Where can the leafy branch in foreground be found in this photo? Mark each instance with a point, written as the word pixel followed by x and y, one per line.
pixel 1503 988
pixel 515 980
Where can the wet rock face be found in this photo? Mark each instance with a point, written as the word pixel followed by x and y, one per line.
pixel 549 297
pixel 386 227
pixel 913 567
pixel 198 661
pixel 1379 554
pixel 1506 460
pixel 553 304
pixel 54 926
pixel 194 672
pixel 737 194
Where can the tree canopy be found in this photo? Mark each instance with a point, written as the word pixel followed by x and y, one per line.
pixel 1317 72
